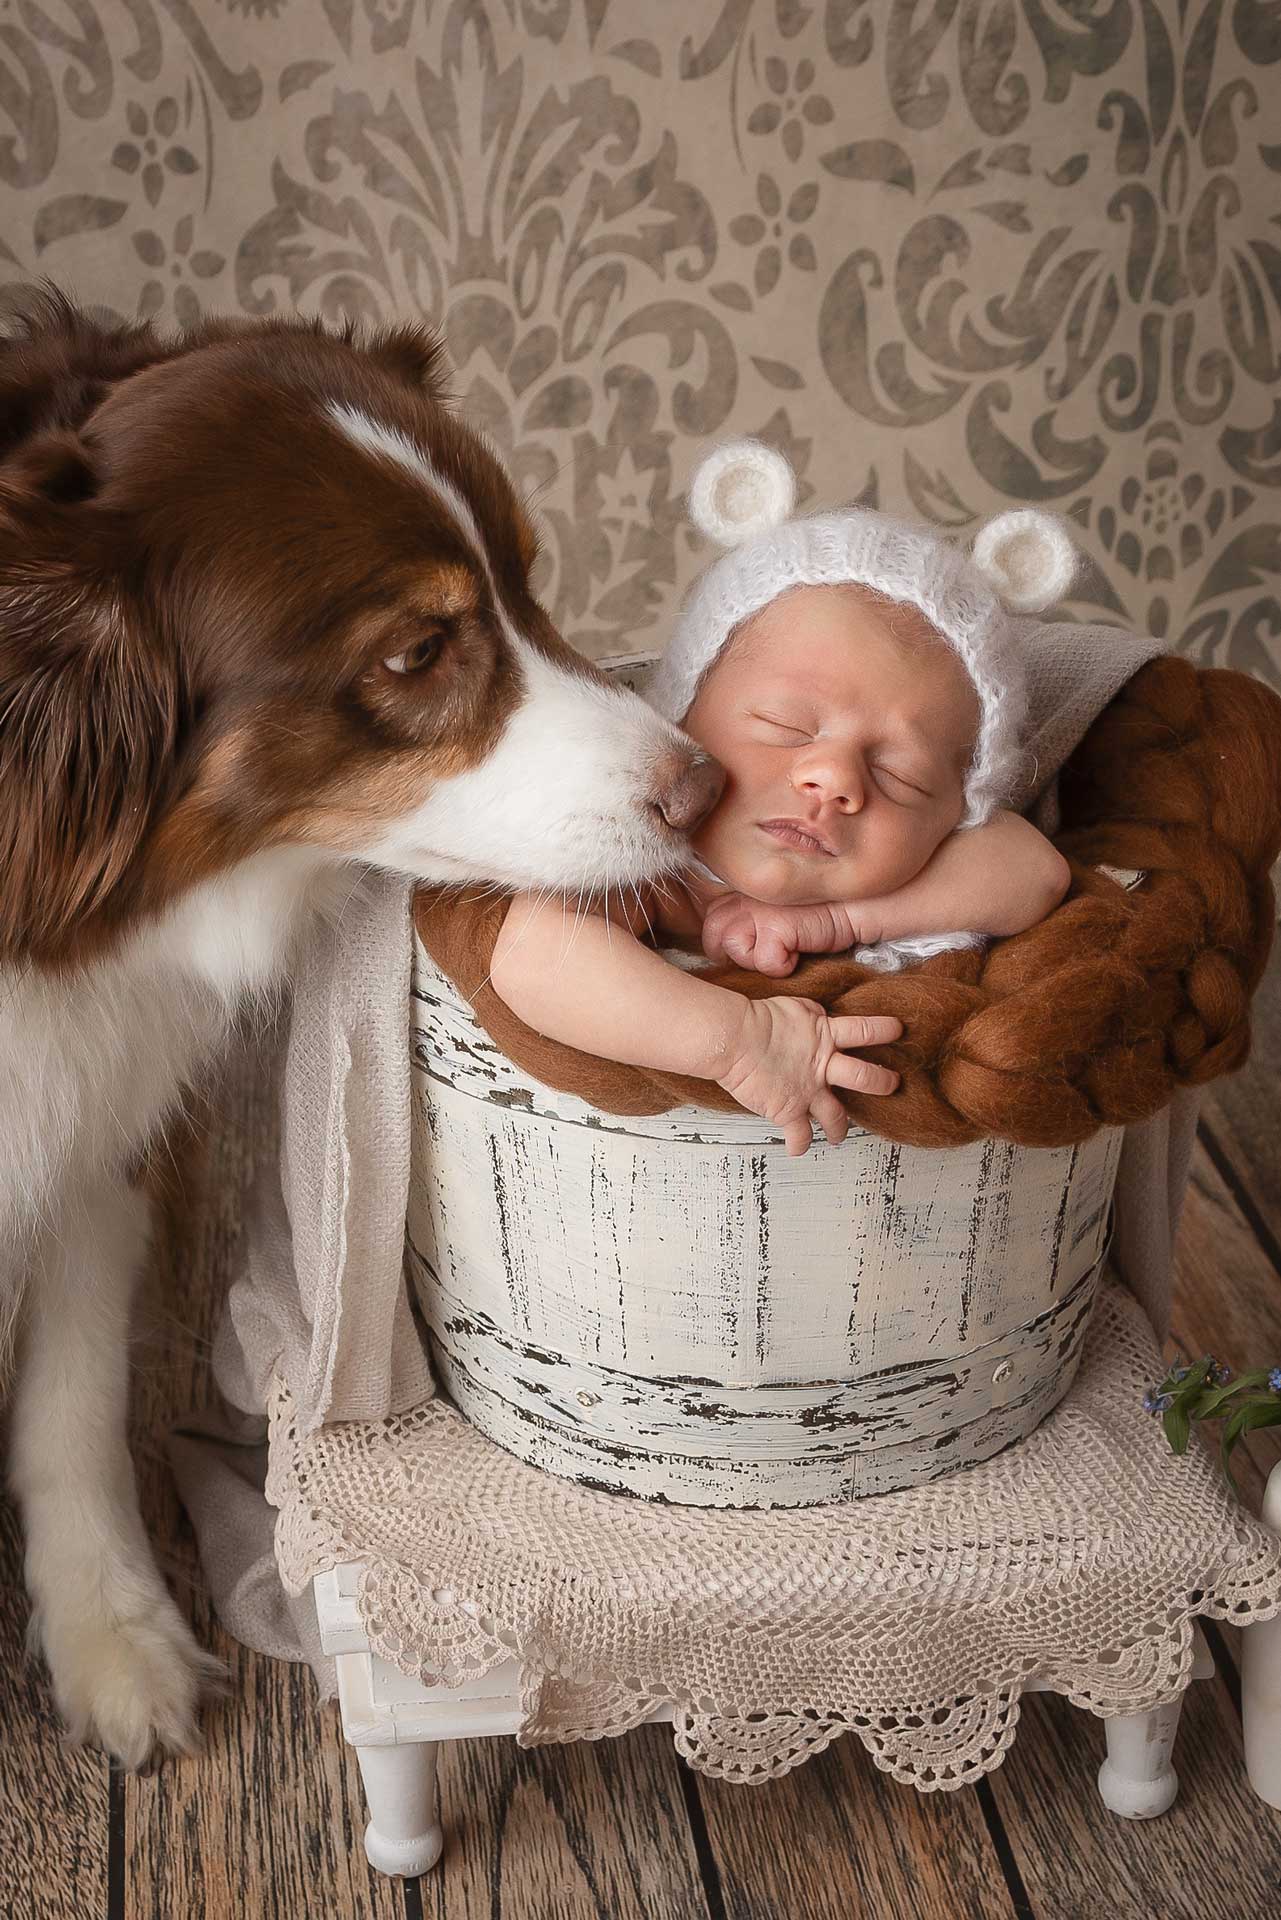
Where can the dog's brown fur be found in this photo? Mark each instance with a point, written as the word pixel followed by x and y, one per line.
pixel 173 674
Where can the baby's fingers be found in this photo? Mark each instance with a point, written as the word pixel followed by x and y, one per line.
pixel 713 944
pixel 797 1136
pixel 729 938
pixel 829 1114
pixel 724 920
pixel 864 1030
pixel 860 1076
pixel 773 956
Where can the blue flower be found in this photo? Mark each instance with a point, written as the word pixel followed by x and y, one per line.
pixel 1274 1379
pixel 1221 1374
pixel 1154 1402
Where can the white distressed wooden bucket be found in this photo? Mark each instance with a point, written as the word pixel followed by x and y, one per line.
pixel 673 1307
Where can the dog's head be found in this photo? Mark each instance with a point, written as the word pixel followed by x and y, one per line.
pixel 259 586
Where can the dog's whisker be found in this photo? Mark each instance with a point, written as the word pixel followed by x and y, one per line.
pixel 543 894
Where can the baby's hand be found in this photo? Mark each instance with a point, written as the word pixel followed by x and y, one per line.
pixel 768 939
pixel 789 1056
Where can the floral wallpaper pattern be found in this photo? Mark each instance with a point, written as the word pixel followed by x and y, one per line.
pixel 951 255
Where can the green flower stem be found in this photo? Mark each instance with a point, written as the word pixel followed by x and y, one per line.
pixel 1197 1392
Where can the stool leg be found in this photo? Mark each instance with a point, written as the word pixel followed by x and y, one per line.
pixel 403 1835
pixel 1136 1780
pixel 1261 1680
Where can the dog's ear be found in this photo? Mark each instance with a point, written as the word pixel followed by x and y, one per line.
pixel 414 353
pixel 54 467
pixel 57 361
pixel 90 707
pixel 91 713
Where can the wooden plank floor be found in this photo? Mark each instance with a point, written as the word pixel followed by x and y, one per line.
pixel 266 1822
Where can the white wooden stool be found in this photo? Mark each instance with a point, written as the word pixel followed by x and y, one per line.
pixel 396 1724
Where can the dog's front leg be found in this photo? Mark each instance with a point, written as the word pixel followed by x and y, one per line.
pixel 126 1670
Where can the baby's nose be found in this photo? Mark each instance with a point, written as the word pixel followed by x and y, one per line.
pixel 833 786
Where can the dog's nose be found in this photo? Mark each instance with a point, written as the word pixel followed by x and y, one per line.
pixel 687 787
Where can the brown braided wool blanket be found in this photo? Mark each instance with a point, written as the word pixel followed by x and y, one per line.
pixel 1093 1018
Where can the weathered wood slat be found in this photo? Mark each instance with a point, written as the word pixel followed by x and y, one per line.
pixel 838 1839
pixel 847 1261
pixel 1228 1293
pixel 584 1832
pixel 266 1820
pixel 1228 1302
pixel 54 1798
pixel 1243 1113
pixel 1216 1853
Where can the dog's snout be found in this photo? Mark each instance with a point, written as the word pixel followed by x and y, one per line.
pixel 687 786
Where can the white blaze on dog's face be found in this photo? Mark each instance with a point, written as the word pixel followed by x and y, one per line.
pixel 269 591
pixel 564 797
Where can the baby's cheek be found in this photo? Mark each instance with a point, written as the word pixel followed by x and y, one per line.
pixel 747 868
pixel 914 851
pixel 891 853
pixel 788 883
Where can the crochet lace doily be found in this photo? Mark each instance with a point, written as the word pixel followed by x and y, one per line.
pixel 915 1620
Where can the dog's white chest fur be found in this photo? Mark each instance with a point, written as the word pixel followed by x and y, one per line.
pixel 91 1063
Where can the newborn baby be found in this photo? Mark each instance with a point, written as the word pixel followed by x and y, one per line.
pixel 846 726
pixel 865 737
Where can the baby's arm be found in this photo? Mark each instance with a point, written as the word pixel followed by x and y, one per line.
pixel 996 879
pixel 596 987
pixel 593 985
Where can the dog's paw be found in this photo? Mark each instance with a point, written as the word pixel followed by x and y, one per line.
pixel 131 1686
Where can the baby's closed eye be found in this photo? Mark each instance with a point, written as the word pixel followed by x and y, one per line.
pixel 898 785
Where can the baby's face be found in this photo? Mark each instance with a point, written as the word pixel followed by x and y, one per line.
pixel 846 729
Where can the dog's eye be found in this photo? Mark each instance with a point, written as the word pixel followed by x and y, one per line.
pixel 422 654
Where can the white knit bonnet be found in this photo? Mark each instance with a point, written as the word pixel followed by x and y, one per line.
pixel 742 497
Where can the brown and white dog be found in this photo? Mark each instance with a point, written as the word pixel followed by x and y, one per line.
pixel 264 610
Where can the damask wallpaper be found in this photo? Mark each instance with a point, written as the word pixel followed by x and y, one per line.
pixel 949 254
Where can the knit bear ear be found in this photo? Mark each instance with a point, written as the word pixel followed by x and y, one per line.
pixel 741 489
pixel 1028 557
